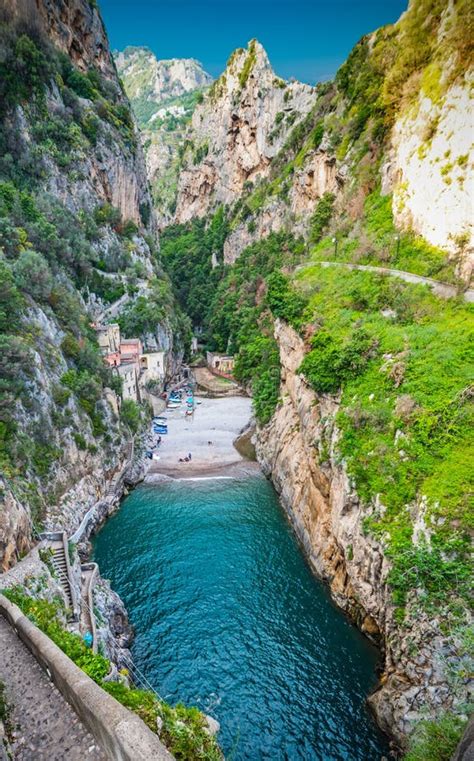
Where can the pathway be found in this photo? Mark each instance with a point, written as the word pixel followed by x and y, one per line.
pixel 444 290
pixel 46 727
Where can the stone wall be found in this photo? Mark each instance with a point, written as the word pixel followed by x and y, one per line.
pixel 121 734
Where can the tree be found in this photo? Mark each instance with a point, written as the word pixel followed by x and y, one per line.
pixel 130 415
pixel 33 275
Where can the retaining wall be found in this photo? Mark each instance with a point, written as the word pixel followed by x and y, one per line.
pixel 121 734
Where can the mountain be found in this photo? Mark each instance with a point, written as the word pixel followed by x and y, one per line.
pixel 163 95
pixel 236 131
pixel 150 82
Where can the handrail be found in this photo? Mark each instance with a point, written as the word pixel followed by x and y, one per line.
pixel 90 602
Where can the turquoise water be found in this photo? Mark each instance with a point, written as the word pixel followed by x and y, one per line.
pixel 228 617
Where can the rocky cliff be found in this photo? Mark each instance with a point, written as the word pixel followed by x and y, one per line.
pixel 77 235
pixel 163 95
pixel 240 126
pixel 298 449
pixel 395 122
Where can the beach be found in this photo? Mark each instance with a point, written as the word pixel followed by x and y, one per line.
pixel 207 435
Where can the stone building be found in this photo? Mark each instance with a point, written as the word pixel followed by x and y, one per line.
pixel 221 364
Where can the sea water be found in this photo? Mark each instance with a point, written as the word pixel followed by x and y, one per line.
pixel 228 617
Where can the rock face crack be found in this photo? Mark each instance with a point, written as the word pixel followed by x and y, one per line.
pixel 45 726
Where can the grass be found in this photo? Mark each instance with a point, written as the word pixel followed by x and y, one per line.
pixel 406 418
pixel 375 240
pixel 436 740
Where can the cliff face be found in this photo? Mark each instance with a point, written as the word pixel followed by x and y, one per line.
pixel 298 449
pixel 429 171
pixel 163 95
pixel 76 227
pixel 237 130
pixel 74 27
pixel 157 80
pixel 395 122
pixel 318 175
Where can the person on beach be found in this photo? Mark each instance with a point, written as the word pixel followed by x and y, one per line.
pixel 189 457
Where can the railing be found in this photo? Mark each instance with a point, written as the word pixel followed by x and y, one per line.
pixel 61 536
pixel 93 568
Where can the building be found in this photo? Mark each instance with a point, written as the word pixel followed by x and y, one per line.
pixel 130 350
pixel 129 372
pixel 221 364
pixel 152 365
pixel 126 356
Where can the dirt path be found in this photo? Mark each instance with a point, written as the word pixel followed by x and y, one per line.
pixel 46 727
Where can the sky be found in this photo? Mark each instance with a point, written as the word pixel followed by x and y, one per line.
pixel 306 39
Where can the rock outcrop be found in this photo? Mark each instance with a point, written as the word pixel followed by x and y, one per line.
pixel 429 169
pixel 318 175
pixel 237 130
pixel 298 450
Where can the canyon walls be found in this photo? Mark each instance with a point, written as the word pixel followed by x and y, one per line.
pixel 298 450
pixel 77 235
pixel 240 126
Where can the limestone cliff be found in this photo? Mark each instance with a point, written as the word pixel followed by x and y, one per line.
pixel 237 130
pixel 393 122
pixel 77 238
pixel 429 169
pixel 163 95
pixel 298 449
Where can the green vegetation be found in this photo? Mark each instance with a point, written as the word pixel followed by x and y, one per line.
pixel 403 360
pixel 131 415
pixel 321 217
pixel 248 64
pixel 374 239
pixel 240 321
pixel 186 252
pixel 183 729
pixel 436 740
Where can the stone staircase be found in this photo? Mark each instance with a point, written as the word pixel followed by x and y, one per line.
pixel 58 558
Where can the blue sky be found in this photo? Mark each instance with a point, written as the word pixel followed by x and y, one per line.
pixel 307 39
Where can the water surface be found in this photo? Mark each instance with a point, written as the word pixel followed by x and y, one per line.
pixel 229 617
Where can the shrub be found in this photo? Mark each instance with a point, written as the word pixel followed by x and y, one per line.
pixel 130 414
pixel 321 216
pixel 283 300
pixel 333 361
pixel 435 740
